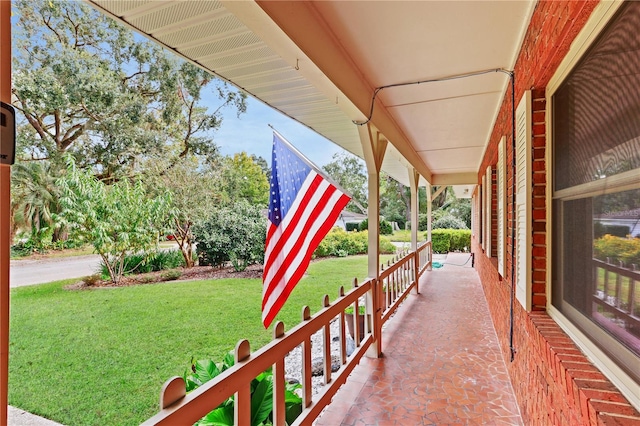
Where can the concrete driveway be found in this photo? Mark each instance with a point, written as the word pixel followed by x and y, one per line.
pixel 30 272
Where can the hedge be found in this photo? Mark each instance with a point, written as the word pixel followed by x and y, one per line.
pixel 341 243
pixel 617 249
pixel 446 240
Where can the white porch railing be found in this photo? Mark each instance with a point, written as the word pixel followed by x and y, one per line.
pixel 178 408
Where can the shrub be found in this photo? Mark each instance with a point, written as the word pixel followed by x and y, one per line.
pixel 460 240
pixel 384 227
pixel 440 241
pixel 446 240
pixel 166 259
pixel 449 222
pixel 142 263
pixel 202 371
pixel 398 218
pixel 340 243
pixel 235 234
pixel 423 221
pixel 617 249
pixel 92 279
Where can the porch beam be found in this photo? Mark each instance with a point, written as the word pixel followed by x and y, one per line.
pixel 374 146
pixel 5 203
pixel 455 179
pixel 429 211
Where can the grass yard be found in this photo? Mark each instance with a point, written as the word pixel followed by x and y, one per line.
pixel 100 357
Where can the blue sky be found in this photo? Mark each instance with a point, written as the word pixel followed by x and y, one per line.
pixel 251 133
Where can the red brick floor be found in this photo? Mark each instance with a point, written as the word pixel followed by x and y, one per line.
pixel 441 364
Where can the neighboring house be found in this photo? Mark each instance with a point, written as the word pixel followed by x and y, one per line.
pixel 349 217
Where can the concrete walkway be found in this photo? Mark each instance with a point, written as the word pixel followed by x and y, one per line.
pixel 18 417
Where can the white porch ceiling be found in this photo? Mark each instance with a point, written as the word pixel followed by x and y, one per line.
pixel 320 62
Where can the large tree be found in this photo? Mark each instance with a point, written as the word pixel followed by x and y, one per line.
pixel 195 190
pixel 243 179
pixel 350 173
pixel 85 85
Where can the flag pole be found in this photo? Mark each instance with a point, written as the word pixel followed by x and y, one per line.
pixel 316 168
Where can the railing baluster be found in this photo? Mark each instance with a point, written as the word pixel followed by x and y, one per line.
pixel 619 286
pixel 356 314
pixel 242 406
pixel 343 332
pixel 306 362
pixel 606 281
pixel 327 345
pixel 279 418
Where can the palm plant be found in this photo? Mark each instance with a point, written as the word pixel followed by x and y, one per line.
pixel 35 205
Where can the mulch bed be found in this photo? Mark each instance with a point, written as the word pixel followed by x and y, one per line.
pixel 187 274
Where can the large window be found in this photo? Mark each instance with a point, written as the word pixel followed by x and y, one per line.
pixel 596 192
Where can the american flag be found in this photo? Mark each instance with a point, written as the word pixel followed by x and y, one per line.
pixel 303 206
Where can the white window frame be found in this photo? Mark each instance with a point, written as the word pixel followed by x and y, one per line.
pixel 598 20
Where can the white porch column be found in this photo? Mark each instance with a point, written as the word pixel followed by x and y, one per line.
pixel 429 211
pixel 431 196
pixel 414 178
pixel 374 146
pixel 5 203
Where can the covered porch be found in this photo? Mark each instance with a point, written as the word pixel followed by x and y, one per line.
pixel 426 92
pixel 441 361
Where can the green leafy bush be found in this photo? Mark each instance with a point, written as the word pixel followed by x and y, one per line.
pixel 117 219
pixel 398 218
pixel 384 227
pixel 233 234
pixel 165 259
pixel 423 222
pixel 202 371
pixel 460 240
pixel 340 243
pixel 617 249
pixel 142 263
pixel 440 241
pixel 446 240
pixel 449 222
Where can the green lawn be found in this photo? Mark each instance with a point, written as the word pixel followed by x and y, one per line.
pixel 99 357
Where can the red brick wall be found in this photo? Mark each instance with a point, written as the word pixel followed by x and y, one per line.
pixel 553 381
